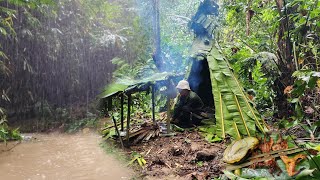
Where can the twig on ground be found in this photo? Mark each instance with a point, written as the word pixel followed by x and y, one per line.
pixel 148 152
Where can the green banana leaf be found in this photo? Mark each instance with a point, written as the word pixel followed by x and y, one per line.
pixel 121 85
pixel 112 89
pixel 234 114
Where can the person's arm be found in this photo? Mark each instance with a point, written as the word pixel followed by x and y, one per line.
pixel 177 108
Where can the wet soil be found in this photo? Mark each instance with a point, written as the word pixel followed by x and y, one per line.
pixel 60 156
pixel 183 156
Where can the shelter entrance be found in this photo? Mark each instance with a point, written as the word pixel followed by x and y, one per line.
pixel 200 82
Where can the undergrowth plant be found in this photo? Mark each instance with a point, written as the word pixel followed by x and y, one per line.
pixel 6 133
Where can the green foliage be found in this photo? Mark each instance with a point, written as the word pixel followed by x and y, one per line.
pixel 200 163
pixel 140 108
pixel 289 30
pixel 258 83
pixel 307 171
pixel 74 42
pixel 90 122
pixel 305 79
pixel 138 158
pixel 208 131
pixel 113 149
pixel 263 24
pixel 109 133
pixel 6 133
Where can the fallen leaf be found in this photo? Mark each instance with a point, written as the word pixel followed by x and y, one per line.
pixel 300 60
pixel 317 148
pixel 288 90
pixel 280 145
pixel 306 172
pixel 265 147
pixel 250 97
pixel 313 151
pixel 309 110
pixel 197 176
pixel 292 162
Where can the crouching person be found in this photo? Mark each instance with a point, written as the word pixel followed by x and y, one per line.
pixel 188 105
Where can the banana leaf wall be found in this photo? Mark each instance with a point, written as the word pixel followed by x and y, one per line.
pixel 234 113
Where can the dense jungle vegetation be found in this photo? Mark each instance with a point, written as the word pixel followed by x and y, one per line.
pixel 56 56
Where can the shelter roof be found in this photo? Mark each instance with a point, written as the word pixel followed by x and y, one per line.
pixel 136 85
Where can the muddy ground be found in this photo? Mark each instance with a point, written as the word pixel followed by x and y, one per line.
pixel 183 156
pixel 60 156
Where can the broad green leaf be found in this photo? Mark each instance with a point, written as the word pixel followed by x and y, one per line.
pixel 232 176
pixel 122 84
pixel 256 173
pixel 314 164
pixel 234 114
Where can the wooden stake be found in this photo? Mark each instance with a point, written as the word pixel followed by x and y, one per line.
pixel 128 118
pixel 122 115
pixel 153 105
pixel 168 114
pixel 110 104
pixel 117 130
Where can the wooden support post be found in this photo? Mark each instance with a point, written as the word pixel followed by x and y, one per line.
pixel 128 118
pixel 105 107
pixel 153 104
pixel 116 127
pixel 122 115
pixel 168 114
pixel 110 104
pixel 169 96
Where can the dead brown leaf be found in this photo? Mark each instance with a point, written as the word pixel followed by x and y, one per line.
pixel 280 145
pixel 265 147
pixel 292 162
pixel 288 90
pixel 309 110
pixel 289 162
pixel 197 176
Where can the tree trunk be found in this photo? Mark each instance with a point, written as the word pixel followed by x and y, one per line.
pixel 157 36
pixel 284 43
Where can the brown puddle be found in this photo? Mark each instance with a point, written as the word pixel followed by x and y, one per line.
pixel 60 156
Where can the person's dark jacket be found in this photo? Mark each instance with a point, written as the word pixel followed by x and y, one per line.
pixel 190 103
